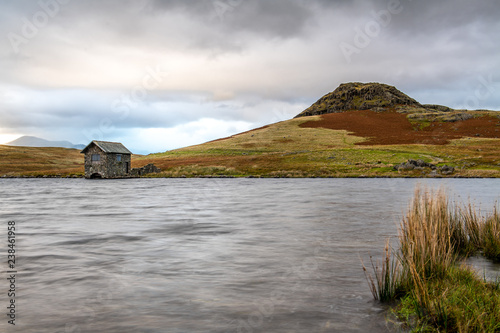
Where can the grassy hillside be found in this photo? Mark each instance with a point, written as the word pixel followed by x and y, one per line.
pixel 359 129
pixel 295 148
pixel 31 161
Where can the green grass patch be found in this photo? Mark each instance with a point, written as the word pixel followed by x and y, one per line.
pixel 458 302
pixel 198 171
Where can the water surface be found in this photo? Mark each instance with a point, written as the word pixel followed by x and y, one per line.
pixel 204 255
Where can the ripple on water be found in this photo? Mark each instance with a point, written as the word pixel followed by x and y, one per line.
pixel 202 255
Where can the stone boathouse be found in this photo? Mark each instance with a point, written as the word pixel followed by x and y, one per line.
pixel 106 160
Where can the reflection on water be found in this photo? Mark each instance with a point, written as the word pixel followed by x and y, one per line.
pixel 204 255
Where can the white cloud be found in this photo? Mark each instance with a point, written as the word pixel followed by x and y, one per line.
pixel 5 138
pixel 192 133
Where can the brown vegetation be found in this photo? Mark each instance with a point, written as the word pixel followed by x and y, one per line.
pixel 391 128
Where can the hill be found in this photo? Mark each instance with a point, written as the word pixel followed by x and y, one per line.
pixel 32 141
pixel 360 96
pixel 357 130
pixel 385 115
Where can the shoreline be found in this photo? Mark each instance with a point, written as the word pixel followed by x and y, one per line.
pixel 254 176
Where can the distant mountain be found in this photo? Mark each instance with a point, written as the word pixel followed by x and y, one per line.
pixel 32 141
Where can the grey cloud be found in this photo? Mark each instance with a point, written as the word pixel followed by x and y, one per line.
pixel 421 17
pixel 136 19
pixel 281 18
pixel 198 23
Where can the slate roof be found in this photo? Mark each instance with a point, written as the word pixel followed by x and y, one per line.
pixel 108 147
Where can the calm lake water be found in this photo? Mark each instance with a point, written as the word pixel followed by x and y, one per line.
pixel 203 255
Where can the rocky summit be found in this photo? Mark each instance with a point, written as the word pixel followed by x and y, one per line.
pixel 379 97
pixel 360 96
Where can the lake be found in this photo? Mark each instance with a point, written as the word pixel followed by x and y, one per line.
pixel 204 255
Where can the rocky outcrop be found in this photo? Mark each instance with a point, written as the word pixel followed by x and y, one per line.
pixel 438 108
pixel 421 165
pixel 413 164
pixel 446 170
pixel 441 116
pixel 360 96
pixel 150 168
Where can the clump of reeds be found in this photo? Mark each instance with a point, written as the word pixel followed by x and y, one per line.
pixel 491 237
pixel 428 235
pixel 385 286
pixel 424 273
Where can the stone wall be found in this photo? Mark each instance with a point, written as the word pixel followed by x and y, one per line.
pixel 117 168
pixel 150 168
pixel 95 167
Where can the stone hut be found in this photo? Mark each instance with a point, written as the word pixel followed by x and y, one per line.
pixel 106 160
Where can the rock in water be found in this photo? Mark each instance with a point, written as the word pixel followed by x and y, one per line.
pixel 360 96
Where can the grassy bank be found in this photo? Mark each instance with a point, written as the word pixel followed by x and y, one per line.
pixel 433 290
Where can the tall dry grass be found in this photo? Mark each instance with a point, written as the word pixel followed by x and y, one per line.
pixel 429 234
pixel 490 239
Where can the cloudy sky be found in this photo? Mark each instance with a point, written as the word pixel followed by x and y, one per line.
pixel 163 74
